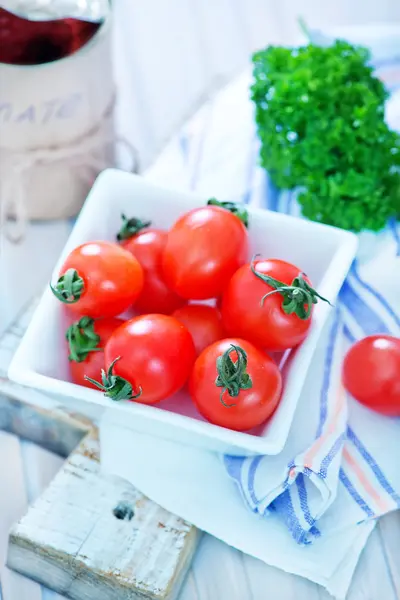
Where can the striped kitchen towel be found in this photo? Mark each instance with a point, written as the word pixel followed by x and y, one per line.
pixel 352 448
pixel 347 450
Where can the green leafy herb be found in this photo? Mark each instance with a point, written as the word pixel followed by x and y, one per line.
pixel 320 119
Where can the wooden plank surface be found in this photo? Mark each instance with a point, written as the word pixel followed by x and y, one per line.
pixel 76 539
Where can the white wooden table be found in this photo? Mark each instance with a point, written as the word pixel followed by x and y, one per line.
pixel 219 572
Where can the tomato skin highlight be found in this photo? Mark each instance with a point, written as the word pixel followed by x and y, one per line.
pixel 203 323
pixel 267 325
pixel 94 361
pixel 155 297
pixel 112 277
pixel 157 355
pixel 252 406
pixel 371 373
pixel 205 247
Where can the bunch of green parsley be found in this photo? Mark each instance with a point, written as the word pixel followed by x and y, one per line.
pixel 320 119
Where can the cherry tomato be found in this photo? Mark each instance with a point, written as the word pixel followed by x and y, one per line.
pixel 203 323
pixel 371 373
pixel 147 246
pixel 204 249
pixel 99 279
pixel 235 385
pixel 86 340
pixel 148 358
pixel 275 322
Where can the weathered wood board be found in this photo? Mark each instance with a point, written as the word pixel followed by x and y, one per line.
pixel 90 536
pixel 95 537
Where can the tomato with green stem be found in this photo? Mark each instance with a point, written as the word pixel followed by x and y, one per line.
pixel 99 279
pixel 235 385
pixel 86 340
pixel 371 373
pixel 203 323
pixel 148 359
pixel 147 245
pixel 204 248
pixel 269 302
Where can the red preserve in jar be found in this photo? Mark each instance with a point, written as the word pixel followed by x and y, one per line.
pixel 25 42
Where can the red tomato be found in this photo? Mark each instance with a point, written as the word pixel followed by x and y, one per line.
pixel 204 249
pixel 85 337
pixel 253 384
pixel 247 313
pixel 99 279
pixel 371 373
pixel 203 323
pixel 155 297
pixel 149 358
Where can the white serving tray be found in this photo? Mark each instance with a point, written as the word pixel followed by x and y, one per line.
pixel 324 253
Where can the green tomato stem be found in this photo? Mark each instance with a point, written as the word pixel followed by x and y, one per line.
pixel 298 297
pixel 69 287
pixel 131 227
pixel 232 376
pixel 115 387
pixel 82 339
pixel 235 208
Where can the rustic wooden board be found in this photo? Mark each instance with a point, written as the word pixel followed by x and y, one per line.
pixel 95 537
pixel 73 538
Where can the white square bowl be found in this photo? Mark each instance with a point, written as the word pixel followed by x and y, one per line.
pixel 324 253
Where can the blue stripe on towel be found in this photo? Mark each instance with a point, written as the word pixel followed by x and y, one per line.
pixel 384 303
pixel 250 480
pixel 302 490
pixel 331 455
pixel 323 402
pixel 373 464
pixel 354 494
pixel 367 318
pixel 395 231
pixel 272 194
pixel 184 146
pixel 251 167
pixel 283 505
pixel 289 202
pixel 234 465
pixel 348 334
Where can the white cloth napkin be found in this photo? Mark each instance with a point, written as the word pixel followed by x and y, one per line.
pixel 310 509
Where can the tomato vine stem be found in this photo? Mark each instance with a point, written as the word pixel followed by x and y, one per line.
pixel 232 376
pixel 298 297
pixel 69 287
pixel 131 227
pixel 82 339
pixel 115 387
pixel 239 210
